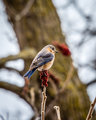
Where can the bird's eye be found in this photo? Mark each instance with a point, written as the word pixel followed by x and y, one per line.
pixel 52 48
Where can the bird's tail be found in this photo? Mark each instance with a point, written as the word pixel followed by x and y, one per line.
pixel 29 73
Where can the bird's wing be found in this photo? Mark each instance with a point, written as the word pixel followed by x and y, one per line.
pixel 41 60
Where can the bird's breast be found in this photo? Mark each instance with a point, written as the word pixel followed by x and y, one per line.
pixel 46 66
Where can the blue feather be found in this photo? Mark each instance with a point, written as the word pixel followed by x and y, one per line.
pixel 29 73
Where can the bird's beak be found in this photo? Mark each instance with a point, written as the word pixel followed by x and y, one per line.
pixel 56 51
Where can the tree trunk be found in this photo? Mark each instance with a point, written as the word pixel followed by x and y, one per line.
pixel 37 24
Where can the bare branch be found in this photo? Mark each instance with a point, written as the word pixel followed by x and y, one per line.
pixel 9 9
pixel 89 116
pixel 12 69
pixel 57 108
pixel 17 90
pixel 25 11
pixel 2 118
pixel 44 97
pixel 92 82
pixel 11 87
pixel 32 94
pixel 24 54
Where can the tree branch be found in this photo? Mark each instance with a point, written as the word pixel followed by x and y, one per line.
pixel 89 116
pixel 32 94
pixel 57 108
pixel 92 82
pixel 17 90
pixel 25 11
pixel 44 97
pixel 11 87
pixel 24 54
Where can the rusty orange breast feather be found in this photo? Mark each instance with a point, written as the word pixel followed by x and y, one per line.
pixel 50 50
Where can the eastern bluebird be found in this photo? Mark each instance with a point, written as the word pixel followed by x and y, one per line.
pixel 43 60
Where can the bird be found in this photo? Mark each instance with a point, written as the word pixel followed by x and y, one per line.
pixel 42 61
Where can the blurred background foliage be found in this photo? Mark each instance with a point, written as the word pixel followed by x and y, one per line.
pixel 36 24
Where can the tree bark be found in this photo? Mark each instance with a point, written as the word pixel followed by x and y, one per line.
pixel 38 27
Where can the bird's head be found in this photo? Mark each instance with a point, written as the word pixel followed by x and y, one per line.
pixel 51 49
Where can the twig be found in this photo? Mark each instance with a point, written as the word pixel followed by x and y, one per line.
pixel 89 116
pixel 32 94
pixel 44 97
pixel 92 82
pixel 15 89
pixel 10 9
pixel 2 118
pixel 26 86
pixel 57 108
pixel 24 54
pixel 25 11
